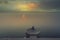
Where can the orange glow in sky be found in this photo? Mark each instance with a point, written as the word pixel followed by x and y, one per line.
pixel 26 7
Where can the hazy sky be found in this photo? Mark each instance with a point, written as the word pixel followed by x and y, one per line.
pixel 44 5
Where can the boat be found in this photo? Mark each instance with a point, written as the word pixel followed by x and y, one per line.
pixel 32 32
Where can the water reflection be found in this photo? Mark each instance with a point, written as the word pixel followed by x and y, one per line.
pixel 16 24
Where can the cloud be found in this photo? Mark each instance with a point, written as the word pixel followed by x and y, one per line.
pixel 44 4
pixel 50 4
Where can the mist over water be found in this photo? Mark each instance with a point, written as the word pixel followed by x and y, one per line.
pixel 15 24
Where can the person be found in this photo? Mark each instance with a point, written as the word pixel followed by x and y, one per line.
pixel 33 28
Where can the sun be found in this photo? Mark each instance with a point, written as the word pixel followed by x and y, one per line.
pixel 26 7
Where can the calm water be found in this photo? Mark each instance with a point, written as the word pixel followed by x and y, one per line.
pixel 15 24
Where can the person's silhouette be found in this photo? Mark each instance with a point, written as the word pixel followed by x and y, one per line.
pixel 33 28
